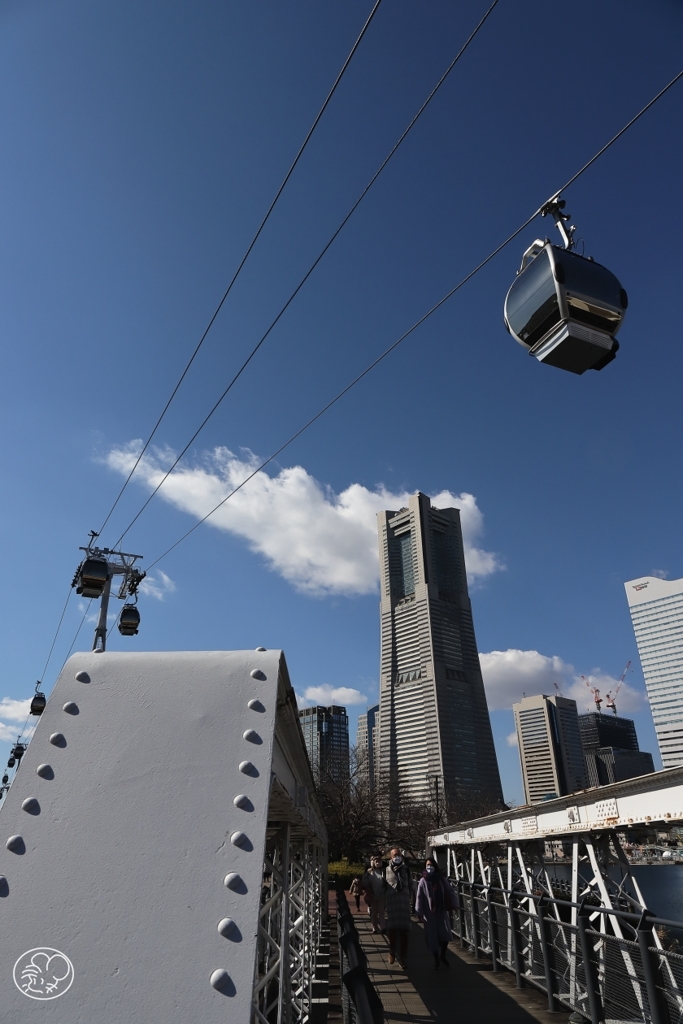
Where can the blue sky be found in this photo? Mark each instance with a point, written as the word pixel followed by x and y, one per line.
pixel 141 145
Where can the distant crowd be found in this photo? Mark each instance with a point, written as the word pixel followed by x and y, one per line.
pixel 391 894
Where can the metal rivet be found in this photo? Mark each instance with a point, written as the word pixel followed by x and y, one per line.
pixel 255 705
pixel 232 880
pixel 241 800
pixel 260 648
pixel 256 673
pixel 14 843
pixel 226 926
pixel 58 739
pixel 30 804
pixel 45 771
pixel 219 979
pixel 251 736
pixel 71 707
pixel 82 677
pixel 237 838
pixel 247 767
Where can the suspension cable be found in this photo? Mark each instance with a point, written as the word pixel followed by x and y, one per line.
pixel 244 259
pixel 308 273
pixel 417 323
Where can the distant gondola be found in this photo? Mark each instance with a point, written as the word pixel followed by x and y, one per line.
pixel 565 309
pixel 129 620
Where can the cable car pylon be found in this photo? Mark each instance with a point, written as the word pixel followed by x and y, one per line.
pixel 93 579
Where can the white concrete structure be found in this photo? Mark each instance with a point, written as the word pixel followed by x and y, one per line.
pixel 550 747
pixel 162 838
pixel 657 612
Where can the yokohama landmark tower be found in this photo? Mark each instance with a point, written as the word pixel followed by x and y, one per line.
pixel 435 730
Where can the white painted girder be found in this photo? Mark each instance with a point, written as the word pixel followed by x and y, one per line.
pixel 654 800
pixel 155 780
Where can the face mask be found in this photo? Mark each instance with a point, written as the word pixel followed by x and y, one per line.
pixel 397 860
pixel 430 870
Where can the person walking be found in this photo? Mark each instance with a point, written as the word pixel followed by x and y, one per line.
pixel 435 900
pixel 398 892
pixel 374 890
pixel 355 891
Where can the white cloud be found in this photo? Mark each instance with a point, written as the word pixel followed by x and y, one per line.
pixel 326 694
pixel 512 739
pixel 508 675
pixel 16 712
pixel 157 586
pixel 660 574
pixel 319 541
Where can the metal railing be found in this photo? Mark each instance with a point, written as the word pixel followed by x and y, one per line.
pixel 607 964
pixel 360 1002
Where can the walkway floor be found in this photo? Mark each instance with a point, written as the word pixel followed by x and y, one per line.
pixel 468 992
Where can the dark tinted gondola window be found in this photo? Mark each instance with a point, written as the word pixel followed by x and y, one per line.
pixel 588 279
pixel 531 306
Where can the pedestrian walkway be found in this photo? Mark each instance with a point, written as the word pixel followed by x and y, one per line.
pixel 468 991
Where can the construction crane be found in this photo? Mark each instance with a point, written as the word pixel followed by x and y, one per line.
pixel 596 693
pixel 611 697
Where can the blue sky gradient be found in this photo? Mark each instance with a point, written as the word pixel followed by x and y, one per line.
pixel 142 144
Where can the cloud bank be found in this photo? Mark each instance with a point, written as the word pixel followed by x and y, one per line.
pixel 15 712
pixel 508 675
pixel 326 695
pixel 319 541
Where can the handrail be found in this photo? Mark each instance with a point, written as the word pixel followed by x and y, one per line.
pixel 363 1005
pixel 599 909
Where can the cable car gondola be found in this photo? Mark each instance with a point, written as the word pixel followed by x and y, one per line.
pixel 38 703
pixel 565 309
pixel 129 620
pixel 92 577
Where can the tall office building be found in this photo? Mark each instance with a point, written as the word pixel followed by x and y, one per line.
pixel 326 734
pixel 366 742
pixel 550 747
pixel 610 747
pixel 657 613
pixel 434 721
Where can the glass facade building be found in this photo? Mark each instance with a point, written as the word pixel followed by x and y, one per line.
pixel 366 742
pixel 434 722
pixel 550 748
pixel 326 734
pixel 656 608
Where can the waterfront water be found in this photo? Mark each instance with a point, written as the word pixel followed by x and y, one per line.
pixel 662 888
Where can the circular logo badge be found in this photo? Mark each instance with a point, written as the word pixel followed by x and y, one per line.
pixel 43 973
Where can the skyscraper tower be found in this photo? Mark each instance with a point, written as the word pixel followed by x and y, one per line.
pixel 434 721
pixel 366 742
pixel 326 735
pixel 550 747
pixel 657 613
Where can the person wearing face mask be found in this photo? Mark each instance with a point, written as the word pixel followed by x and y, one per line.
pixel 399 890
pixel 374 889
pixel 435 900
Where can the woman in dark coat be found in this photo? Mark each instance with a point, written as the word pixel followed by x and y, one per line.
pixel 435 900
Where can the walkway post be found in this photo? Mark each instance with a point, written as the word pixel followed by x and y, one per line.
pixel 589 966
pixel 461 912
pixel 514 941
pixel 548 958
pixel 475 922
pixel 658 1014
pixel 493 930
